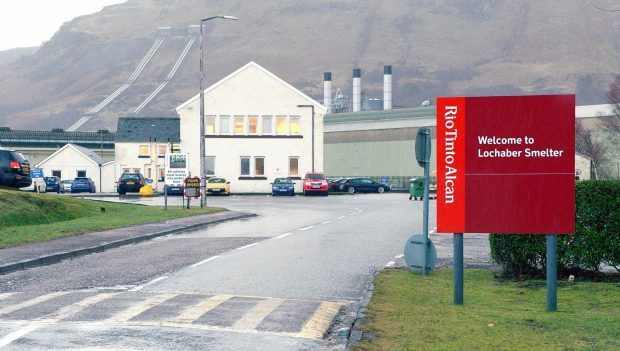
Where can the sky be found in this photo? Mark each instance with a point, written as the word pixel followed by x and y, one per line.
pixel 31 22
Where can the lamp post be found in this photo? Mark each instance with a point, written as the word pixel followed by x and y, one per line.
pixel 312 107
pixel 203 185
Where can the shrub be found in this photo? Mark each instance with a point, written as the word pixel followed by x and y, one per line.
pixel 595 243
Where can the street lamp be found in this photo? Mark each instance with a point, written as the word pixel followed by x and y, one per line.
pixel 312 107
pixel 203 197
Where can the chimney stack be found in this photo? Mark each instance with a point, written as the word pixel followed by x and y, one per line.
pixel 387 87
pixel 327 91
pixel 357 90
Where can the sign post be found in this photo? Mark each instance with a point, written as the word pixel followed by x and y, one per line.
pixel 191 188
pixel 506 165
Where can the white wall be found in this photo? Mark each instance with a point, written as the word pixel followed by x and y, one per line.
pixel 69 161
pixel 128 157
pixel 253 92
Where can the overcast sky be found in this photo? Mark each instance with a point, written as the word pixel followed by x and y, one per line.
pixel 32 22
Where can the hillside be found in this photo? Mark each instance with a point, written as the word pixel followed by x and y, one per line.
pixel 449 47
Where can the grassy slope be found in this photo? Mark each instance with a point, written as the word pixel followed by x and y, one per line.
pixel 27 217
pixel 411 312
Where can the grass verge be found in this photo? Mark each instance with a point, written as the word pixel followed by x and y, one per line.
pixel 412 312
pixel 27 217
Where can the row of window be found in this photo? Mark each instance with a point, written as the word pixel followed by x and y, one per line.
pixel 253 166
pixel 78 174
pixel 252 125
pixel 145 149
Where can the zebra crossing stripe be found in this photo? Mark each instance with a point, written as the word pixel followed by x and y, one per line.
pixel 140 307
pixel 317 325
pixel 76 307
pixel 254 316
pixel 31 302
pixel 193 313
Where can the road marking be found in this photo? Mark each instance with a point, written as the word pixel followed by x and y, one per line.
pixel 5 295
pixel 140 287
pixel 76 307
pixel 341 217
pixel 246 246
pixel 31 302
pixel 254 316
pixel 282 236
pixel 353 214
pixel 9 338
pixel 205 261
pixel 306 228
pixel 138 308
pixel 326 222
pixel 317 325
pixel 194 312
pixel 399 256
pixel 360 211
pixel 390 264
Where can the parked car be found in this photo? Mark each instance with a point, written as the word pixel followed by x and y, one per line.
pixel 334 183
pixel 216 185
pixel 130 183
pixel 83 184
pixel 363 185
pixel 14 169
pixel 52 184
pixel 65 185
pixel 283 186
pixel 38 184
pixel 315 183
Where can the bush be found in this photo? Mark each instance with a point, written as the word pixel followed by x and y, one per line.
pixel 595 243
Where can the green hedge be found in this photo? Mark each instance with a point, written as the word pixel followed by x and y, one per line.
pixel 595 243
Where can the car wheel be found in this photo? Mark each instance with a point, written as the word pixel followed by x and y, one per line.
pixel 380 190
pixel 351 190
pixel 121 193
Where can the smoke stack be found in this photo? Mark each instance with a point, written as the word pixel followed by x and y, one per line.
pixel 357 90
pixel 387 87
pixel 327 91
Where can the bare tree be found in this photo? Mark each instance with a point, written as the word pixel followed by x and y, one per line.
pixel 611 124
pixel 586 143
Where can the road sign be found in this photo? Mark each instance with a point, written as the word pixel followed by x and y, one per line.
pixel 416 258
pixel 423 146
pixel 192 187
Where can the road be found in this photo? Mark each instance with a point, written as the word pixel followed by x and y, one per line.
pixel 292 278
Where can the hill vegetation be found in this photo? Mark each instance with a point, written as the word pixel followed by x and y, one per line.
pixel 436 47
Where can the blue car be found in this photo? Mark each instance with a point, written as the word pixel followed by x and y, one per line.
pixel 83 184
pixel 283 186
pixel 52 184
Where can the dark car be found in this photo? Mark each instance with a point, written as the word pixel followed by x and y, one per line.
pixel 83 184
pixel 363 185
pixel 130 183
pixel 283 186
pixel 334 183
pixel 52 184
pixel 14 169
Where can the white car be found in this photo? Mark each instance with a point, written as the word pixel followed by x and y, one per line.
pixel 65 185
pixel 38 185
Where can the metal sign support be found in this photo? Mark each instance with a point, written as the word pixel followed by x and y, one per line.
pixel 458 268
pixel 552 272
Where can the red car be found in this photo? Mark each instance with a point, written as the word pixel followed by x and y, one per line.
pixel 316 183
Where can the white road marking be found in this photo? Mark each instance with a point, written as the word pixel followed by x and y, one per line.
pixel 326 222
pixel 204 261
pixel 138 308
pixel 255 315
pixel 76 307
pixel 390 264
pixel 306 228
pixel 140 287
pixel 341 217
pixel 399 256
pixel 246 246
pixel 31 302
pixel 9 338
pixel 5 295
pixel 192 313
pixel 282 236
pixel 353 214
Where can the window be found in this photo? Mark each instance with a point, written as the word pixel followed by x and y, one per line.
pixel 259 166
pixel 281 125
pixel 245 166
pixel 210 165
pixel 126 170
pixel 267 129
pixel 144 150
pixel 295 128
pixel 293 166
pixel 253 125
pixel 56 174
pixel 224 124
pixel 137 170
pixel 239 125
pixel 81 174
pixel 161 149
pixel 210 125
pixel 162 174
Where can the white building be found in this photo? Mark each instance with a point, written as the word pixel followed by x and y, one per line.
pixel 73 161
pixel 255 130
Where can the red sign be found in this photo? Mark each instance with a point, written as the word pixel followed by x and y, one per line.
pixel 506 164
pixel 192 187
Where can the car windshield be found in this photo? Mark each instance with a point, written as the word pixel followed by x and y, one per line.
pixel 130 177
pixel 80 180
pixel 315 176
pixel 66 182
pixel 282 181
pixel 217 180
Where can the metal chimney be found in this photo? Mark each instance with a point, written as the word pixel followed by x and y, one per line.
pixel 387 87
pixel 357 90
pixel 327 91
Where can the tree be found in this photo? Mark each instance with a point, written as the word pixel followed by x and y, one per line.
pixel 611 124
pixel 586 143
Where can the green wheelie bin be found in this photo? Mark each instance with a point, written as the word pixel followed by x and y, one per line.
pixel 416 188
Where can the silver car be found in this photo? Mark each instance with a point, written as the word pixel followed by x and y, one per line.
pixel 65 185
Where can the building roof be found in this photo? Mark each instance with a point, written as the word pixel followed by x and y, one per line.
pixel 262 69
pixel 367 116
pixel 89 154
pixel 141 129
pixel 55 138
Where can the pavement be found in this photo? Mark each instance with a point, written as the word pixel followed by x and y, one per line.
pixel 53 251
